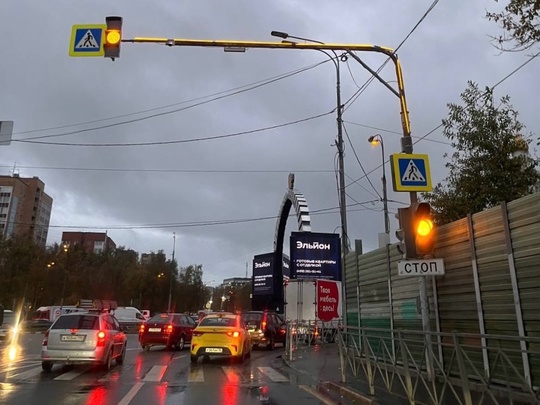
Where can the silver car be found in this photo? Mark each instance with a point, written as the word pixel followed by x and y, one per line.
pixel 84 338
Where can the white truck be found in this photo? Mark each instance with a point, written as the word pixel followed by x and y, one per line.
pixel 301 311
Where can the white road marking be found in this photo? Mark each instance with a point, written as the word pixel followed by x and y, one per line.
pixel 133 348
pixel 70 375
pixel 317 395
pixel 196 375
pixel 131 394
pixel 273 374
pixel 231 374
pixel 26 374
pixel 179 357
pixel 155 374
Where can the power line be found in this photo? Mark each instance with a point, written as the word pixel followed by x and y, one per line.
pixel 218 96
pixel 129 170
pixel 207 138
pixel 322 211
pixel 357 94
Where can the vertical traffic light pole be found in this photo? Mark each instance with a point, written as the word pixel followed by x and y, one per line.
pixel 407 147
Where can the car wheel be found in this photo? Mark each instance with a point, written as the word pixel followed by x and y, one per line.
pixel 120 359
pixel 249 351
pixel 46 365
pixel 194 359
pixel 145 347
pixel 108 362
pixel 271 344
pixel 181 343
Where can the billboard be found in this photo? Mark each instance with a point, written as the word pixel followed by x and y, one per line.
pixel 263 274
pixel 315 255
pixel 286 266
pixel 328 300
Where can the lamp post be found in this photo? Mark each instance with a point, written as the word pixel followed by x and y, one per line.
pixel 339 143
pixel 65 248
pixel 172 273
pixel 375 140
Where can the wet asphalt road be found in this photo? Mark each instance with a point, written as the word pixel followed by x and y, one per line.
pixel 154 377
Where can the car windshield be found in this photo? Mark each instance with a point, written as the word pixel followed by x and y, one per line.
pixel 77 322
pixel 215 321
pixel 251 317
pixel 161 318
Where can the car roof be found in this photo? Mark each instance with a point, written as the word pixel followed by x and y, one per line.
pixel 221 315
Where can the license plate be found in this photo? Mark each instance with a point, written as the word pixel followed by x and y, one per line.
pixel 213 350
pixel 72 338
pixel 154 329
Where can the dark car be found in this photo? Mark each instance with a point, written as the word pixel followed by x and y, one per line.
pixel 265 327
pixel 168 329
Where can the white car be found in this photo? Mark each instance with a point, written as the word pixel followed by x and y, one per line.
pixel 84 338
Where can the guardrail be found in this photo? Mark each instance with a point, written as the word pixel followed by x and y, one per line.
pixel 306 333
pixel 442 368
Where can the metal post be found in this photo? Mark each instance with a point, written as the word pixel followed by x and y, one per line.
pixel 172 273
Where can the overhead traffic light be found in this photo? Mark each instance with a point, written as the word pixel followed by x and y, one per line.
pixel 113 37
pixel 423 228
pixel 405 233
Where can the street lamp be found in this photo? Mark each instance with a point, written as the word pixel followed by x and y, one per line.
pixel 378 140
pixel 339 143
pixel 375 140
pixel 173 266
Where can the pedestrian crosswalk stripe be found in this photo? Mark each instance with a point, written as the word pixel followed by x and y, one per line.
pixel 155 374
pixel 70 375
pixel 273 374
pixel 87 41
pixel 26 374
pixel 131 394
pixel 231 374
pixel 196 375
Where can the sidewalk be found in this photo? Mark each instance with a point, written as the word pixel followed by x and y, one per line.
pixel 321 362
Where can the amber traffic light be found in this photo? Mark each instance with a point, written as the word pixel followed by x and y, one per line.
pixel 113 37
pixel 423 229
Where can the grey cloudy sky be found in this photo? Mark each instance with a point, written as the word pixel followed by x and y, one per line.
pixel 142 194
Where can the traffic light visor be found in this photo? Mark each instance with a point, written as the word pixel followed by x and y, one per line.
pixel 113 37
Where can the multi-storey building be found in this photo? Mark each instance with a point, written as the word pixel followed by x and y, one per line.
pixel 235 282
pixel 93 242
pixel 25 208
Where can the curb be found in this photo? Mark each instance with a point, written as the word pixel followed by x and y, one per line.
pixel 324 387
pixel 345 392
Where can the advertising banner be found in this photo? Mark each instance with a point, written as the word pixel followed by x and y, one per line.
pixel 263 274
pixel 286 267
pixel 328 300
pixel 315 255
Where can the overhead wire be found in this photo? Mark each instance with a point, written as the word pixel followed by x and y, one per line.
pixel 216 96
pixel 178 141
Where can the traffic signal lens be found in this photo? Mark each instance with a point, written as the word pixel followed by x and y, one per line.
pixel 424 227
pixel 113 37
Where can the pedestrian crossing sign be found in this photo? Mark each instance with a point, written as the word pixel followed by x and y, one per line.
pixel 87 40
pixel 410 172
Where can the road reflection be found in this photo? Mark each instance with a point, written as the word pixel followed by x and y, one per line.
pixel 229 394
pixel 98 396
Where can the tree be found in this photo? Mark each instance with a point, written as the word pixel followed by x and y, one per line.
pixel 491 162
pixel 521 20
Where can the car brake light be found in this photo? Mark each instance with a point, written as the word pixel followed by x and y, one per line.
pixel 233 334
pixel 45 339
pixel 169 328
pixel 101 338
pixel 141 329
pixel 263 324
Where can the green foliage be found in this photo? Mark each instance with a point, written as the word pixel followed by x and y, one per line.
pixel 521 20
pixel 490 163
pixel 36 275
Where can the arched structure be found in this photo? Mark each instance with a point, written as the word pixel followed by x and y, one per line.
pixel 292 198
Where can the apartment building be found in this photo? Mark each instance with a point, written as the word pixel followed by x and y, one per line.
pixel 93 242
pixel 25 208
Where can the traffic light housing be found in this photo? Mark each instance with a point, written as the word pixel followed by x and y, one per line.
pixel 113 37
pixel 405 234
pixel 423 229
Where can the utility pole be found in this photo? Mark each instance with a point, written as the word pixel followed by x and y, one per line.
pixel 173 266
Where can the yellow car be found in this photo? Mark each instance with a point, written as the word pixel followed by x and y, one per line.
pixel 221 334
